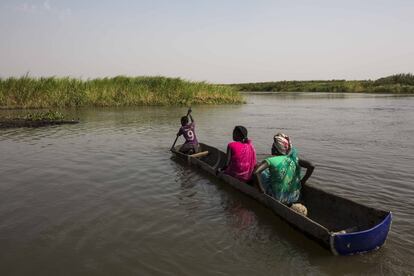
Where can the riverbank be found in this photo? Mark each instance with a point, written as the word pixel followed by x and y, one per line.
pixel 396 84
pixel 27 92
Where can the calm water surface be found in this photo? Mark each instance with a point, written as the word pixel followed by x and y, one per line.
pixel 104 198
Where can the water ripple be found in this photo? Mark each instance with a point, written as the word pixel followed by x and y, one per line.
pixel 104 197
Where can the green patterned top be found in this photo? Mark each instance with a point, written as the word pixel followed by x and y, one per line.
pixel 283 177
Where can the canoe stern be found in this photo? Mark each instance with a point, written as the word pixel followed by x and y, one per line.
pixel 363 241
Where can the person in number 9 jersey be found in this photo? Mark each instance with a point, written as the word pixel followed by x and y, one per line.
pixel 187 129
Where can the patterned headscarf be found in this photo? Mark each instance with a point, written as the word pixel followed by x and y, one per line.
pixel 282 143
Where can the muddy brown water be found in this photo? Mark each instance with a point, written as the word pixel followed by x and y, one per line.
pixel 103 197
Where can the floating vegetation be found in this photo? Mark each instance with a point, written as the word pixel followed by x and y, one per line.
pixel 35 119
pixel 39 116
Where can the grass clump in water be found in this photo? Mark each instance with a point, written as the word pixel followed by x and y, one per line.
pixel 27 92
pixel 33 116
pixel 35 119
pixel 43 116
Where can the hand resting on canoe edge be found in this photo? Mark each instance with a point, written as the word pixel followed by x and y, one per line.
pixel 303 163
pixel 279 175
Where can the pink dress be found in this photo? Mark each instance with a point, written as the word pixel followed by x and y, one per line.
pixel 243 160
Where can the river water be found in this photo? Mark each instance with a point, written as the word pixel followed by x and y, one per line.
pixel 103 197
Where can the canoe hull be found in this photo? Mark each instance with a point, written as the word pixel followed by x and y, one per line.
pixel 317 226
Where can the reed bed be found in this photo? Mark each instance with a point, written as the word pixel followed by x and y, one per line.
pixel 53 92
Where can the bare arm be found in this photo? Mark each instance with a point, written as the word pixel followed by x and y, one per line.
pixel 309 170
pixel 189 115
pixel 261 167
pixel 228 155
pixel 228 158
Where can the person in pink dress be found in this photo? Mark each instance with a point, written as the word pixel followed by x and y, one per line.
pixel 241 156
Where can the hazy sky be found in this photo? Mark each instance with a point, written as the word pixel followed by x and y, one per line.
pixel 213 40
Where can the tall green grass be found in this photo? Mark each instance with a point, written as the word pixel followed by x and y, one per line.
pixel 400 83
pixel 28 92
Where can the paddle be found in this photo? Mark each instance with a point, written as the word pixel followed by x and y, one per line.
pixel 175 141
pixel 176 138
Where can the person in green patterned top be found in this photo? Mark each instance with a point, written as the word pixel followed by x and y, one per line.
pixel 280 174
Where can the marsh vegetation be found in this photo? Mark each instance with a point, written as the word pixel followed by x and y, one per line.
pixel 52 92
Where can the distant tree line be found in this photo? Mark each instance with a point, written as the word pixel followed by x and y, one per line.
pixel 399 83
pixel 403 79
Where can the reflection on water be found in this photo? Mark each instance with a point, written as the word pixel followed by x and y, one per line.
pixel 104 196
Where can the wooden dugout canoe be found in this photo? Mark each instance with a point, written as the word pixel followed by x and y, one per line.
pixel 341 225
